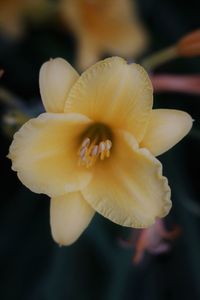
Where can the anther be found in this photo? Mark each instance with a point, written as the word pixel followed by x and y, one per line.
pixel 102 148
pixel 85 143
pixel 108 144
pixel 90 151
pixel 95 151
pixel 83 152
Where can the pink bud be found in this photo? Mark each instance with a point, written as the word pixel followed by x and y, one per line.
pixel 189 45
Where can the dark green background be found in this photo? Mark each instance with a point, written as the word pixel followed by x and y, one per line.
pixel 32 266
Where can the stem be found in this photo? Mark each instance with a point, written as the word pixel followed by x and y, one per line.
pixel 159 58
pixel 7 98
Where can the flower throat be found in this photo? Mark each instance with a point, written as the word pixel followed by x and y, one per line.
pixel 96 144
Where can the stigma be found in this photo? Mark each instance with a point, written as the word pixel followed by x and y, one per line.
pixel 90 151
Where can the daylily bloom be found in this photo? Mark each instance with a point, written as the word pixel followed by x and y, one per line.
pixel 103 26
pixel 93 150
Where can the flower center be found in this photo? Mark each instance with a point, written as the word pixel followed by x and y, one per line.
pixel 96 144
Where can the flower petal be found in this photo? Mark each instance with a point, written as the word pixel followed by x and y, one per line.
pixel 114 93
pixel 69 216
pixel 44 154
pixel 56 79
pixel 166 128
pixel 128 188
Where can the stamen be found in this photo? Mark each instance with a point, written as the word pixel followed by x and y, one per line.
pixel 85 143
pixel 108 147
pixel 102 148
pixel 95 150
pixel 83 152
pixel 89 152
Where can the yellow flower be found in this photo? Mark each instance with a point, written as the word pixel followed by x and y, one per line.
pixel 93 150
pixel 103 26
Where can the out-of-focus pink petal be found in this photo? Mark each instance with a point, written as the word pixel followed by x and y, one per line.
pixel 160 249
pixel 154 240
pixel 176 83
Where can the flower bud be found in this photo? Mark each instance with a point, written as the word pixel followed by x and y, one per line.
pixel 189 45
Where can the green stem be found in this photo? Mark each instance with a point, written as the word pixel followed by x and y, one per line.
pixel 9 99
pixel 159 58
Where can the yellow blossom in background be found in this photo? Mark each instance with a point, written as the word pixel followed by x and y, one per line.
pixel 14 12
pixel 94 149
pixel 103 26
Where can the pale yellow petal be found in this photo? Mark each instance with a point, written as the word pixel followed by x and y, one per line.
pixel 56 78
pixel 44 154
pixel 69 216
pixel 114 93
pixel 128 188
pixel 166 128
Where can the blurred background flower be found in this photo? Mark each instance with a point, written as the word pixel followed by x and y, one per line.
pixel 15 13
pixel 154 240
pixel 104 27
